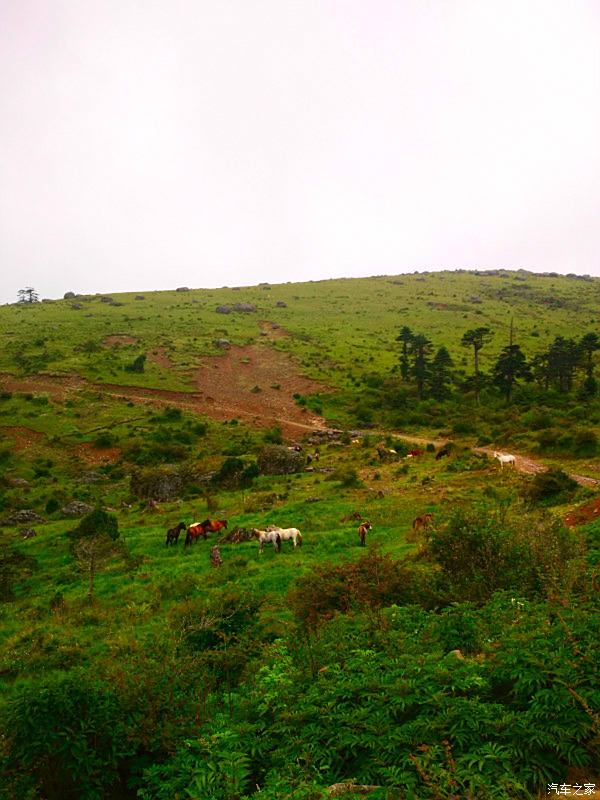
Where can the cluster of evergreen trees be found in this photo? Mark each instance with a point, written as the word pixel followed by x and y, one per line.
pixel 556 368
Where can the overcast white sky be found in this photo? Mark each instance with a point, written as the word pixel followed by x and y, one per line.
pixel 149 144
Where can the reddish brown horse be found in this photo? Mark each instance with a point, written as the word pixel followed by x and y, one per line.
pixel 194 532
pixel 362 532
pixel 214 525
pixel 424 521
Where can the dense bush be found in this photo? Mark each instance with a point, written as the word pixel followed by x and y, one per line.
pixel 480 552
pixel 553 486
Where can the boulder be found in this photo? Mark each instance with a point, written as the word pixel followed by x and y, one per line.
pixel 245 307
pixel 222 344
pixel 76 509
pixel 275 459
pixel 281 304
pixel 27 533
pixel 22 517
pixel 140 297
pixel 223 310
pixel 69 295
pixel 182 289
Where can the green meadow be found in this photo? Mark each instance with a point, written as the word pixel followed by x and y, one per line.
pixel 454 660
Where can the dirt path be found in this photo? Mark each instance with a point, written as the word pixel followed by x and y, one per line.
pixel 522 463
pixel 255 384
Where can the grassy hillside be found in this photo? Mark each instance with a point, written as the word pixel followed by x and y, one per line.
pixel 457 660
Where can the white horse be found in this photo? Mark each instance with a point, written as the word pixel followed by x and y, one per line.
pixel 505 459
pixel 267 536
pixel 287 533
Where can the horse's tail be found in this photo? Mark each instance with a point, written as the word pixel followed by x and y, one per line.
pixel 278 543
pixel 299 538
pixel 416 523
pixel 188 539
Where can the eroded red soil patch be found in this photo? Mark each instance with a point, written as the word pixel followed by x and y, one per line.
pixel 581 516
pixel 257 383
pixel 96 455
pixel 24 438
pixel 254 384
pixel 160 357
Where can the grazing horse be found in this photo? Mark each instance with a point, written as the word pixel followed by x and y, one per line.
pixel 362 532
pixel 424 521
pixel 287 533
pixel 267 536
pixel 195 531
pixel 173 533
pixel 214 525
pixel 415 453
pixel 505 459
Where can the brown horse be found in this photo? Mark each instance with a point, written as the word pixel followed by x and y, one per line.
pixel 194 532
pixel 362 532
pixel 173 533
pixel 424 521
pixel 214 525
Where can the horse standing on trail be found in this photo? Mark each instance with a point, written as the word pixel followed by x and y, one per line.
pixel 173 533
pixel 362 532
pixel 505 459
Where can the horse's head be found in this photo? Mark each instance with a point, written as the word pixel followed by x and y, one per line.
pixel 255 532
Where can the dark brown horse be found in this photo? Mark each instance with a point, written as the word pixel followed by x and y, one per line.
pixel 195 531
pixel 362 532
pixel 173 533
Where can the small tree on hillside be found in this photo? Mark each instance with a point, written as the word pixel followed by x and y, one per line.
pixel 28 295
pixel 95 543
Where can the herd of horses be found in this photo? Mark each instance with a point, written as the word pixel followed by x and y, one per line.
pixel 272 533
pixel 275 535
pixel 200 530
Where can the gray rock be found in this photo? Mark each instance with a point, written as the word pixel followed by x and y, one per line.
pixel 223 310
pixel 76 509
pixel 69 295
pixel 27 533
pixel 182 289
pixel 281 304
pixel 22 517
pixel 276 459
pixel 245 307
pixel 140 297
pixel 21 483
pixel 222 344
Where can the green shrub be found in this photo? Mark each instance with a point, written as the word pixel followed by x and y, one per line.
pixel 553 486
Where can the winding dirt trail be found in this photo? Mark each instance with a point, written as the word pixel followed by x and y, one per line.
pixel 255 384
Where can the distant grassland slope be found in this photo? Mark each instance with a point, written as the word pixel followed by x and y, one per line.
pixel 335 327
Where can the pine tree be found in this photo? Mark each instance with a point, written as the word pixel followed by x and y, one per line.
pixel 510 367
pixel 476 338
pixel 440 374
pixel 28 295
pixel 406 336
pixel 420 348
